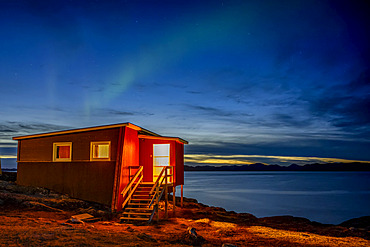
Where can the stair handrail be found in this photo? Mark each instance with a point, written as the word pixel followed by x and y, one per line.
pixel 130 184
pixel 160 177
pixel 154 196
pixel 158 183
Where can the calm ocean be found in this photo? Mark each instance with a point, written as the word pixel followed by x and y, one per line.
pixel 326 197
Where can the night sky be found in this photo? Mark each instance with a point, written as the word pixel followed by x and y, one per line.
pixel 278 82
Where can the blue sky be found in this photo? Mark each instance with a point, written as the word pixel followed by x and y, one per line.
pixel 258 79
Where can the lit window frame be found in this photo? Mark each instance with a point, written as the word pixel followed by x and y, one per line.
pixel 58 144
pixel 92 144
pixel 162 156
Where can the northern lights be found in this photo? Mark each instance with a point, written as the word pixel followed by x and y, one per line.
pixel 271 79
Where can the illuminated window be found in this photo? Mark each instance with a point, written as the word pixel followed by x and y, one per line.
pixel 100 151
pixel 161 154
pixel 62 151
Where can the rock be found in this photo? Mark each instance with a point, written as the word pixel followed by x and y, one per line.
pixel 228 245
pixel 204 220
pixel 2 202
pixel 67 225
pixel 185 199
pixel 192 231
pixel 100 212
pixel 247 218
pixel 190 237
pixel 76 221
pixel 41 206
pixel 146 237
pixel 361 222
pixel 129 229
pixel 9 176
pixel 285 219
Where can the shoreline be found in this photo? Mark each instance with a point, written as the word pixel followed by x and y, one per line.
pixel 283 215
pixel 10 176
pixel 46 214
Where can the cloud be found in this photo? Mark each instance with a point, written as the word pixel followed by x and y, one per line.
pixel 207 159
pixel 8 156
pixel 216 112
pixel 347 106
pixel 105 112
pixel 24 127
pixel 210 110
pixel 285 120
pixel 8 151
pixel 195 92
pixel 305 145
pixel 119 113
pixel 10 129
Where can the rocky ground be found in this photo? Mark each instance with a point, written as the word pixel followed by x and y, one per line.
pixel 39 217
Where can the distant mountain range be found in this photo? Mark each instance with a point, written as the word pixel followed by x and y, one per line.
pixel 356 166
pixel 9 169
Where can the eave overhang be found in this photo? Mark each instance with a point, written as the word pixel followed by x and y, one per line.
pixel 166 138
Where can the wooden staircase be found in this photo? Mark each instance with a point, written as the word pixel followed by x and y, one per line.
pixel 139 207
pixel 142 198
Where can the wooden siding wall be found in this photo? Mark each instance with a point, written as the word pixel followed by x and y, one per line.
pixel 176 158
pixel 130 157
pixel 118 168
pixel 41 149
pixel 179 163
pixel 80 178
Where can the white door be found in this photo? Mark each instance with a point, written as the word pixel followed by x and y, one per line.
pixel 161 158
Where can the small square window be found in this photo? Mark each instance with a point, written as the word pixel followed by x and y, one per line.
pixel 62 151
pixel 100 151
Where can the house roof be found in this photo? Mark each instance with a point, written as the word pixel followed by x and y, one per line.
pixel 142 131
pixel 168 138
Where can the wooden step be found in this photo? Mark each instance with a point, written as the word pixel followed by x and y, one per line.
pixel 138 198
pixel 147 196
pixel 137 204
pixel 137 213
pixel 142 191
pixel 139 209
pixel 141 196
pixel 146 189
pixel 141 199
pixel 148 183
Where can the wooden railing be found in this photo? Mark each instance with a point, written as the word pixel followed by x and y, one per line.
pixel 160 168
pixel 162 180
pixel 131 187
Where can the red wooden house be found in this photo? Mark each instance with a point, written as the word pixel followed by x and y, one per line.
pixel 121 165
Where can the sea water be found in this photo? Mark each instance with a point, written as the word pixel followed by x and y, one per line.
pixel 326 197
